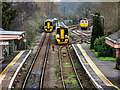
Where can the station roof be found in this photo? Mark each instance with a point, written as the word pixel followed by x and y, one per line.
pixel 115 37
pixel 11 32
pixel 9 35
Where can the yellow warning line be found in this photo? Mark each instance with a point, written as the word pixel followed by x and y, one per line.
pixel 4 72
pixel 95 68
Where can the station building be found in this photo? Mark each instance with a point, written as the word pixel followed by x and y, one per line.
pixel 114 41
pixel 5 38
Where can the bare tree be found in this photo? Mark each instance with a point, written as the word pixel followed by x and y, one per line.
pixel 84 9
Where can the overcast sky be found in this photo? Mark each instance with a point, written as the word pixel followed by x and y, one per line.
pixel 60 0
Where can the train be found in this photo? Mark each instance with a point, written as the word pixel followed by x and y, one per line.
pixel 50 25
pixel 62 33
pixel 84 24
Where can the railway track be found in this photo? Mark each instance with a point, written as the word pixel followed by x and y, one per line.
pixel 71 68
pixel 82 35
pixel 35 76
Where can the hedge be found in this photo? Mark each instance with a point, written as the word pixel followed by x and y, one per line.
pixel 102 48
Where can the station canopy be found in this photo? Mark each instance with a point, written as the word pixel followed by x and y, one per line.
pixel 10 35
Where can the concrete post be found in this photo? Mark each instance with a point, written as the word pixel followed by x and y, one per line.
pixel 7 48
pixel 13 46
pixel 117 52
pixel 1 54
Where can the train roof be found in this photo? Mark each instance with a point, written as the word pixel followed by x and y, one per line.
pixel 61 24
pixel 51 19
pixel 55 18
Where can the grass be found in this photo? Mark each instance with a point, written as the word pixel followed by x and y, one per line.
pixel 107 58
pixel 67 64
pixel 25 66
pixel 23 69
pixel 96 53
pixel 56 72
pixel 102 58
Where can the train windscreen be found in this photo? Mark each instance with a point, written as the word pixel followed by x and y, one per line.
pixel 45 23
pixel 58 30
pixel 50 23
pixel 66 31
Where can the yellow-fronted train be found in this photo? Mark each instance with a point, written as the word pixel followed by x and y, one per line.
pixel 62 33
pixel 84 24
pixel 50 24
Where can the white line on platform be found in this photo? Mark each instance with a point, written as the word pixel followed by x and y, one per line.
pixel 94 82
pixel 13 78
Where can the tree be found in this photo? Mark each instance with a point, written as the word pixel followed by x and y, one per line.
pixel 8 14
pixel 84 9
pixel 97 29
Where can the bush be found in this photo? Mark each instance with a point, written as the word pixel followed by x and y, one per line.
pixel 102 48
pixel 118 63
pixel 30 33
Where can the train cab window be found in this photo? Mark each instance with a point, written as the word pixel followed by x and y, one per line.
pixel 66 31
pixel 58 30
pixel 82 21
pixel 85 21
pixel 45 23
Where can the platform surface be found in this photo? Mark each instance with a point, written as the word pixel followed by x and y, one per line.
pixel 9 70
pixel 105 71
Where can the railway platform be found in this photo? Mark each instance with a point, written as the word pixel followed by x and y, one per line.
pixel 10 66
pixel 7 60
pixel 102 72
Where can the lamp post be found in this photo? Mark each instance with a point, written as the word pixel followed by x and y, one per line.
pixel 97 16
pixel 103 21
pixel 25 43
pixel 92 18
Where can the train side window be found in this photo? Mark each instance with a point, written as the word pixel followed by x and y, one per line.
pixel 45 23
pixel 58 31
pixel 66 31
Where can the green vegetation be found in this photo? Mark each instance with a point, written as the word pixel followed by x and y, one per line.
pixel 101 58
pixel 97 29
pixel 23 69
pixel 8 14
pixel 57 72
pixel 67 64
pixel 102 48
pixel 25 66
pixel 29 36
pixel 59 78
pixel 107 58
pixel 107 9
pixel 96 53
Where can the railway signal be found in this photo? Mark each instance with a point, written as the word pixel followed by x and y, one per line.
pixel 53 47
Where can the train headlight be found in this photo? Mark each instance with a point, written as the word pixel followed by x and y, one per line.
pixel 66 36
pixel 58 36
